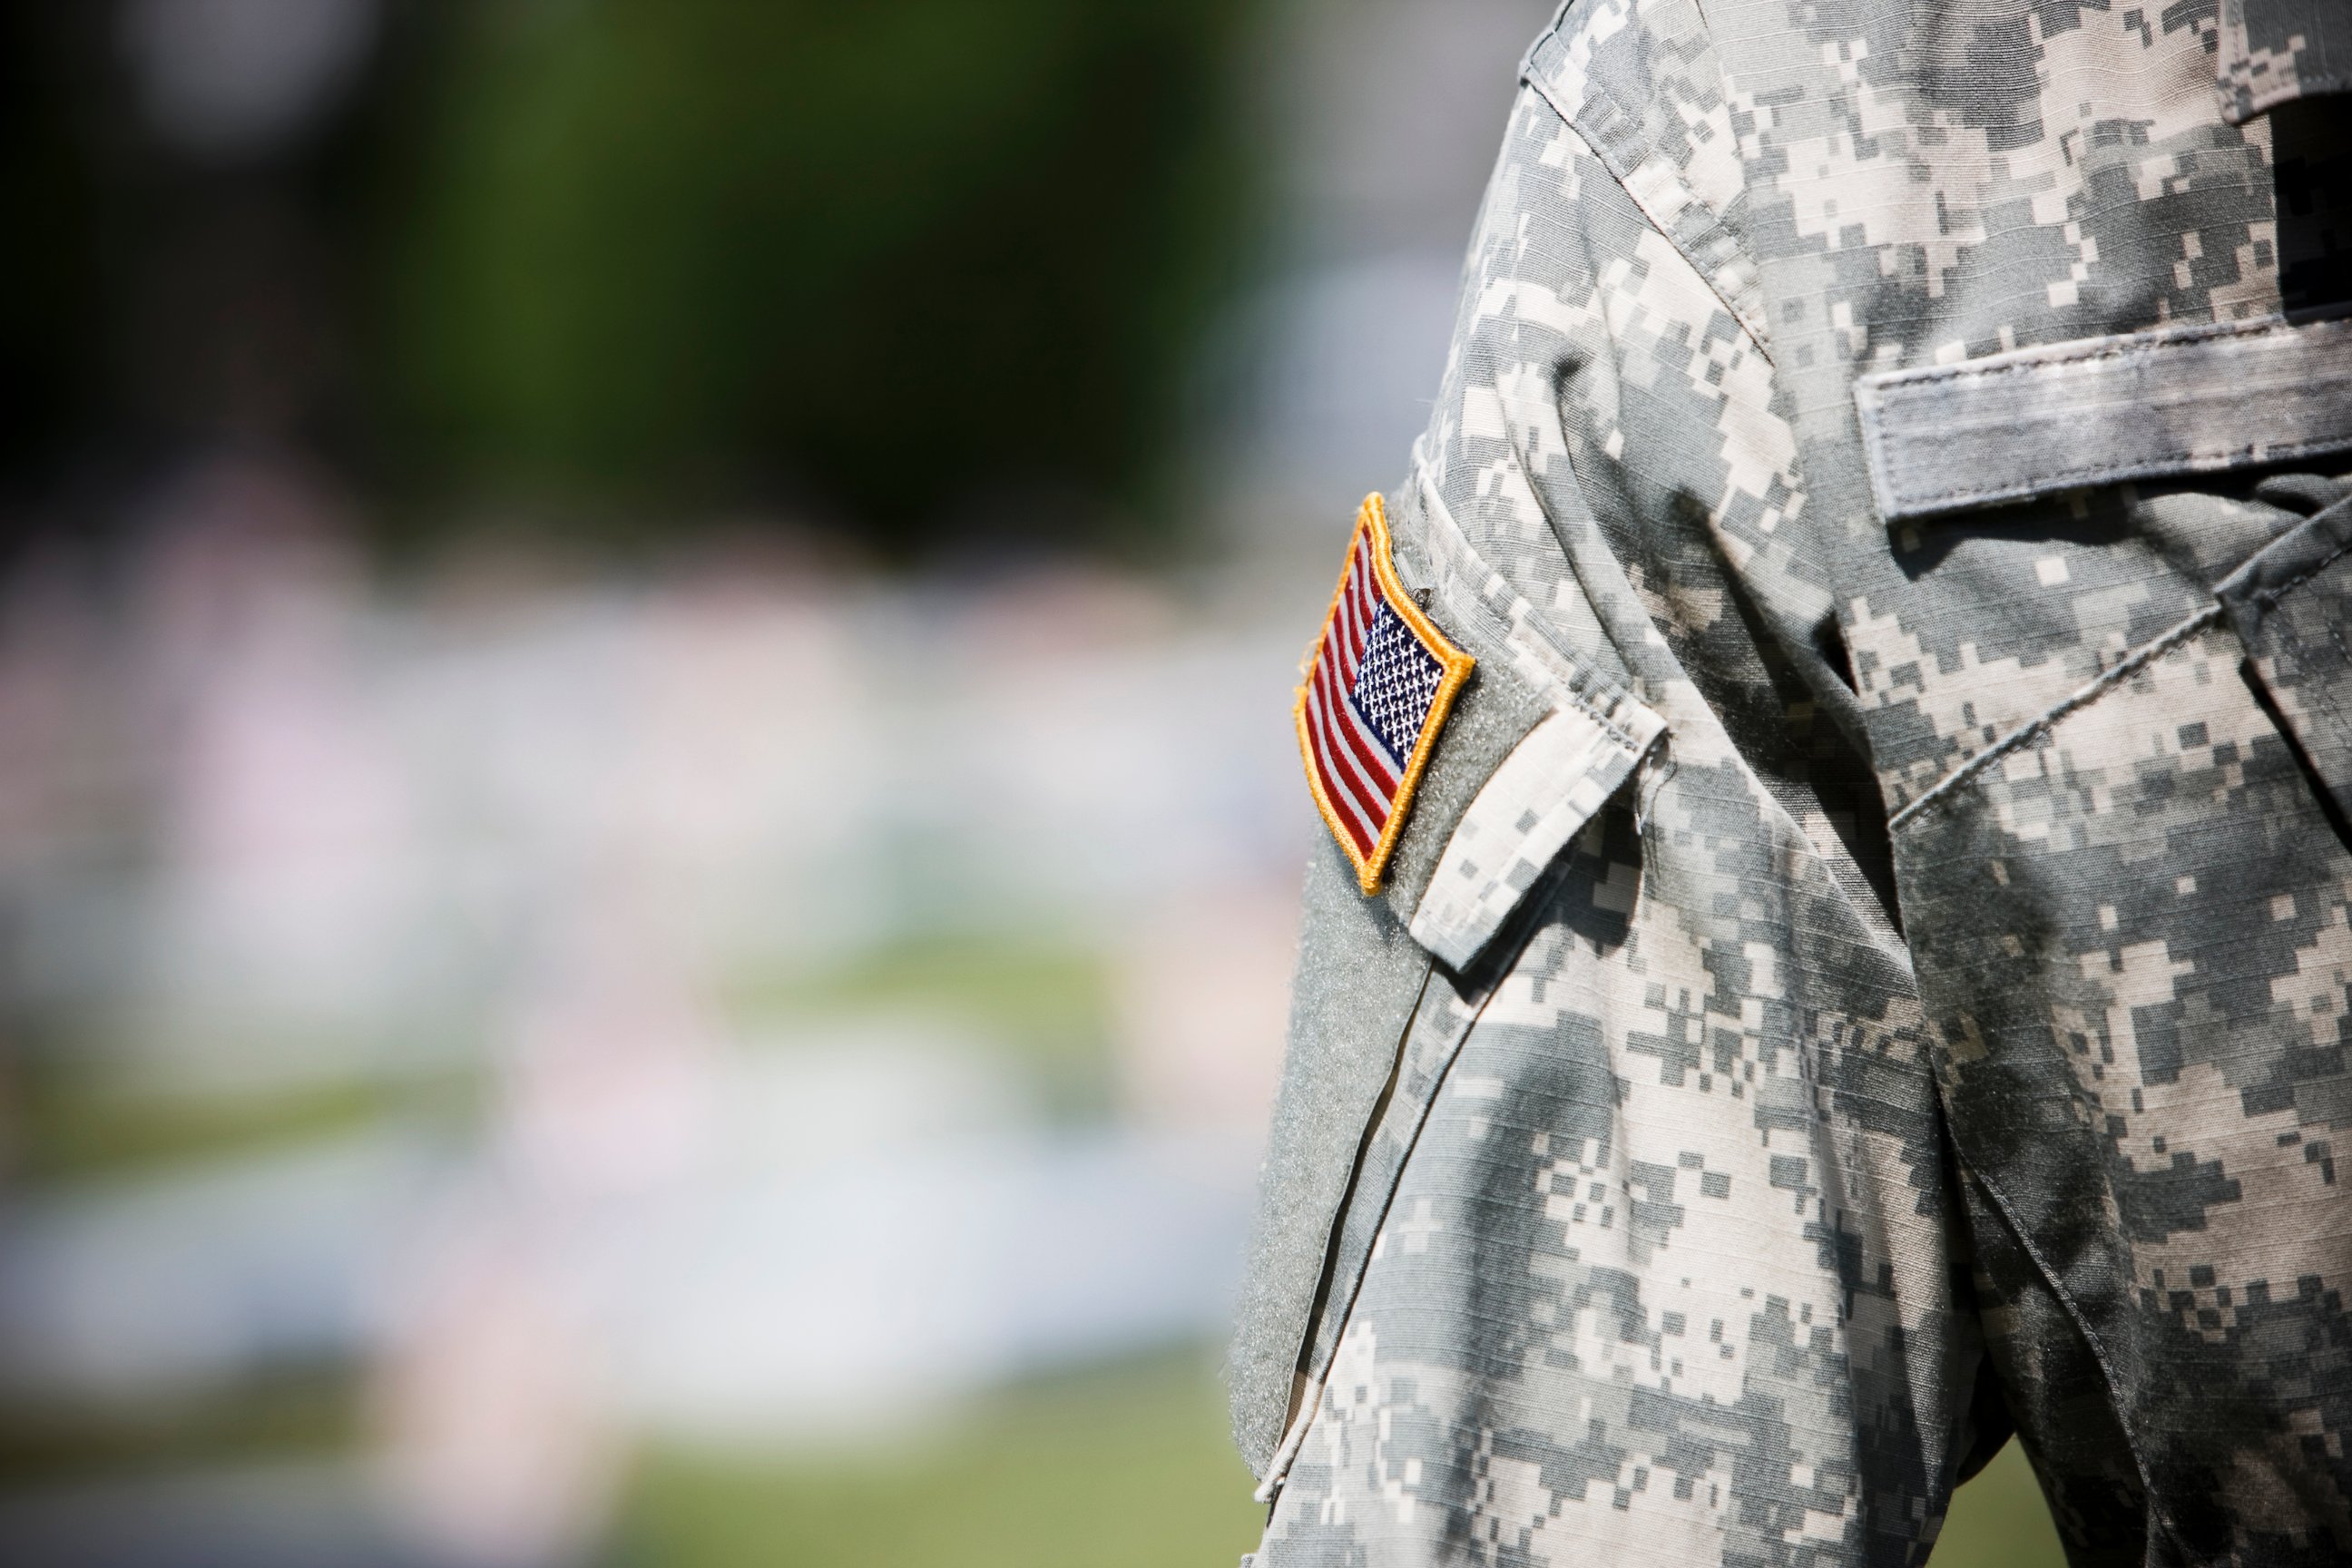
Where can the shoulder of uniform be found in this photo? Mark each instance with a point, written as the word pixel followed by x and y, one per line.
pixel 1640 83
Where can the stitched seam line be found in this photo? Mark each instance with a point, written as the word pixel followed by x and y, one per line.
pixel 2319 694
pixel 2336 81
pixel 2190 462
pixel 1296 1422
pixel 2268 597
pixel 2125 346
pixel 1277 1471
pixel 1473 607
pixel 1551 31
pixel 2032 730
pixel 1617 173
pixel 2067 1303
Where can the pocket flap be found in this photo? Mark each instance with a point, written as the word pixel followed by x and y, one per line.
pixel 2273 51
pixel 2099 411
pixel 1551 784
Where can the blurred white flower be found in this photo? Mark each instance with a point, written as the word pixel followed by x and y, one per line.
pixel 232 78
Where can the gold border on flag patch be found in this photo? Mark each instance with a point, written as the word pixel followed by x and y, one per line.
pixel 1379 680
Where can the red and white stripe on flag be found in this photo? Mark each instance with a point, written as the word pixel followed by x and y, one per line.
pixel 1380 681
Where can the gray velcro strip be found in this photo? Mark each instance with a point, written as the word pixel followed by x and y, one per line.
pixel 2098 411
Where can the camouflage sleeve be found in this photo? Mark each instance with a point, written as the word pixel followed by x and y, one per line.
pixel 1606 1218
pixel 2271 51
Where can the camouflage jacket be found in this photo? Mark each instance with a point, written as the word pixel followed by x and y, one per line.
pixel 1866 959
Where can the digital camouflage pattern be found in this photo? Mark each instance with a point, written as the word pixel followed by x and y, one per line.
pixel 2275 51
pixel 1937 1021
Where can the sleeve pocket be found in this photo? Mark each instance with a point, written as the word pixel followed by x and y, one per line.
pixel 1533 748
pixel 2269 52
pixel 2289 606
pixel 1555 782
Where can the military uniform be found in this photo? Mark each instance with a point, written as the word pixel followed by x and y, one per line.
pixel 1864 959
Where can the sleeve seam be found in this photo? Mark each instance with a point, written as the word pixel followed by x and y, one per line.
pixel 1688 249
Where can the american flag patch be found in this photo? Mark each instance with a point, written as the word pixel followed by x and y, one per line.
pixel 1378 682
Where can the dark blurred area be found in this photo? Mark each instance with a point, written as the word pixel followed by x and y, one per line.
pixel 929 272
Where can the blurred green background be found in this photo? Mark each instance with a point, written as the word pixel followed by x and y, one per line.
pixel 595 591
pixel 913 261
pixel 910 266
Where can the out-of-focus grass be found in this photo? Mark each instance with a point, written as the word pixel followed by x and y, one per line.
pixel 1130 1467
pixel 1999 1521
pixel 69 1122
pixel 1127 1467
pixel 1046 1004
pixel 296 1413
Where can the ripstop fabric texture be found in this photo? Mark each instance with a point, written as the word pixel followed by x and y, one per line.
pixel 1870 966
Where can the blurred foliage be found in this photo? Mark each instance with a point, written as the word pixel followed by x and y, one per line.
pixel 1999 1519
pixel 1125 1467
pixel 932 266
pixel 291 1414
pixel 69 1121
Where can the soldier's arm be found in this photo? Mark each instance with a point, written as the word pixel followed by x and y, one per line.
pixel 1597 1221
